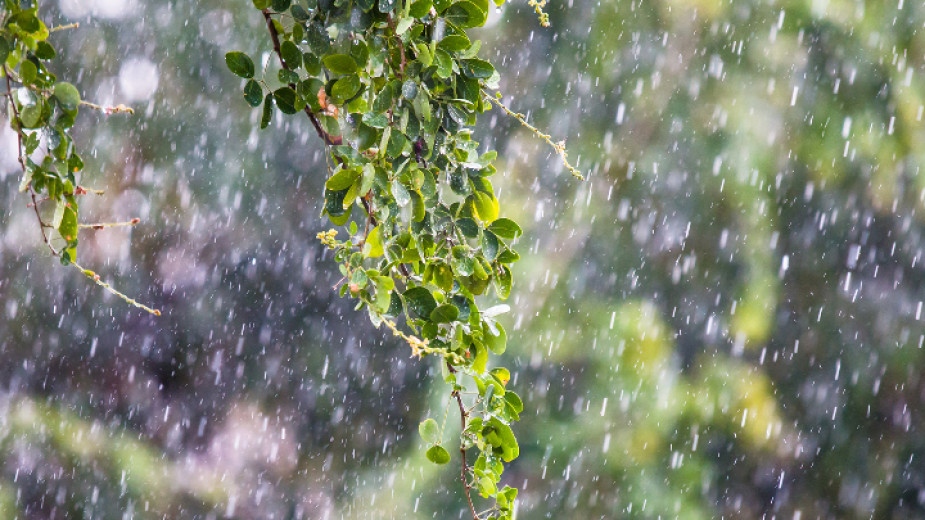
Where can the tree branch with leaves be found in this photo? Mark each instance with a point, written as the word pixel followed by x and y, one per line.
pixel 393 88
pixel 42 111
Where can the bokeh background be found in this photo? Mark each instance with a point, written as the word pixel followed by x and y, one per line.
pixel 724 320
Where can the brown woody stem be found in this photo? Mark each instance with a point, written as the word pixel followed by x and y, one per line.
pixel 462 451
pixel 274 36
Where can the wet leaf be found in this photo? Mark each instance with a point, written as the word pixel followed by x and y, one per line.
pixel 430 431
pixel 420 301
pixel 505 228
pixel 438 455
pixel 253 94
pixel 240 64
pixel 444 314
pixel 373 246
pixel 340 63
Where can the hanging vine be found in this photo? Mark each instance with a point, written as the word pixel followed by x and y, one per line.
pixel 393 89
pixel 41 111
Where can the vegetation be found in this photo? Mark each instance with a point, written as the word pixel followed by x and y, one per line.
pixel 723 320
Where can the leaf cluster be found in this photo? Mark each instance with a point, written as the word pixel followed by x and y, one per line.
pixel 393 88
pixel 42 110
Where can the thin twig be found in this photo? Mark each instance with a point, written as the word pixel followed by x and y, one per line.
pixel 42 225
pixel 462 450
pixel 274 36
pixel 64 27
pixel 96 279
pixel 401 49
pixel 118 109
pixel 559 146
pixel 104 225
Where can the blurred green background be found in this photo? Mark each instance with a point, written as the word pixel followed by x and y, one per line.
pixel 724 320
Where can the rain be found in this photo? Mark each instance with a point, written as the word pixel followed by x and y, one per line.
pixel 724 320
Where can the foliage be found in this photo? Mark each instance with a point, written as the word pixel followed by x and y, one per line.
pixel 393 88
pixel 42 110
pixel 724 321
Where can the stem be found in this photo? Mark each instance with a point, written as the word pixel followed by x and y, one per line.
pixel 22 160
pixel 64 27
pixel 118 109
pixel 35 206
pixel 274 36
pixel 558 147
pixel 462 451
pixel 96 279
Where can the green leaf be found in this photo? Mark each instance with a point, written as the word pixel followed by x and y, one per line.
pixel 267 115
pixel 508 256
pixel 501 375
pixel 503 283
pixel 26 20
pixel 342 180
pixel 430 431
pixel 340 63
pixel 387 6
pixel 58 215
pixel 281 5
pixel 43 51
pixel 240 64
pixel 261 4
pixel 253 94
pixel 359 52
pixel 5 48
pixel 486 206
pixel 31 115
pixel 487 487
pixel 468 227
pixel 438 454
pixel 420 301
pixel 514 401
pixel 68 227
pixel 372 248
pixel 489 245
pixel 291 54
pixel 420 8
pixel 67 95
pixel 480 361
pixel 286 100
pixel 418 207
pixel 465 15
pixel 409 90
pixel 403 25
pixel 444 63
pixel 505 228
pixel 318 38
pixel 476 68
pixel 507 495
pixel 345 88
pixel 375 120
pixel 299 13
pixel 401 194
pixel 454 43
pixel 28 72
pixel 445 313
pixel 443 276
pixel 497 343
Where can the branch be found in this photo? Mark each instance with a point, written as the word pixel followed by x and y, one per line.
pixel 462 451
pixel 331 140
pixel 42 225
pixel 63 27
pixel 96 278
pixel 559 146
